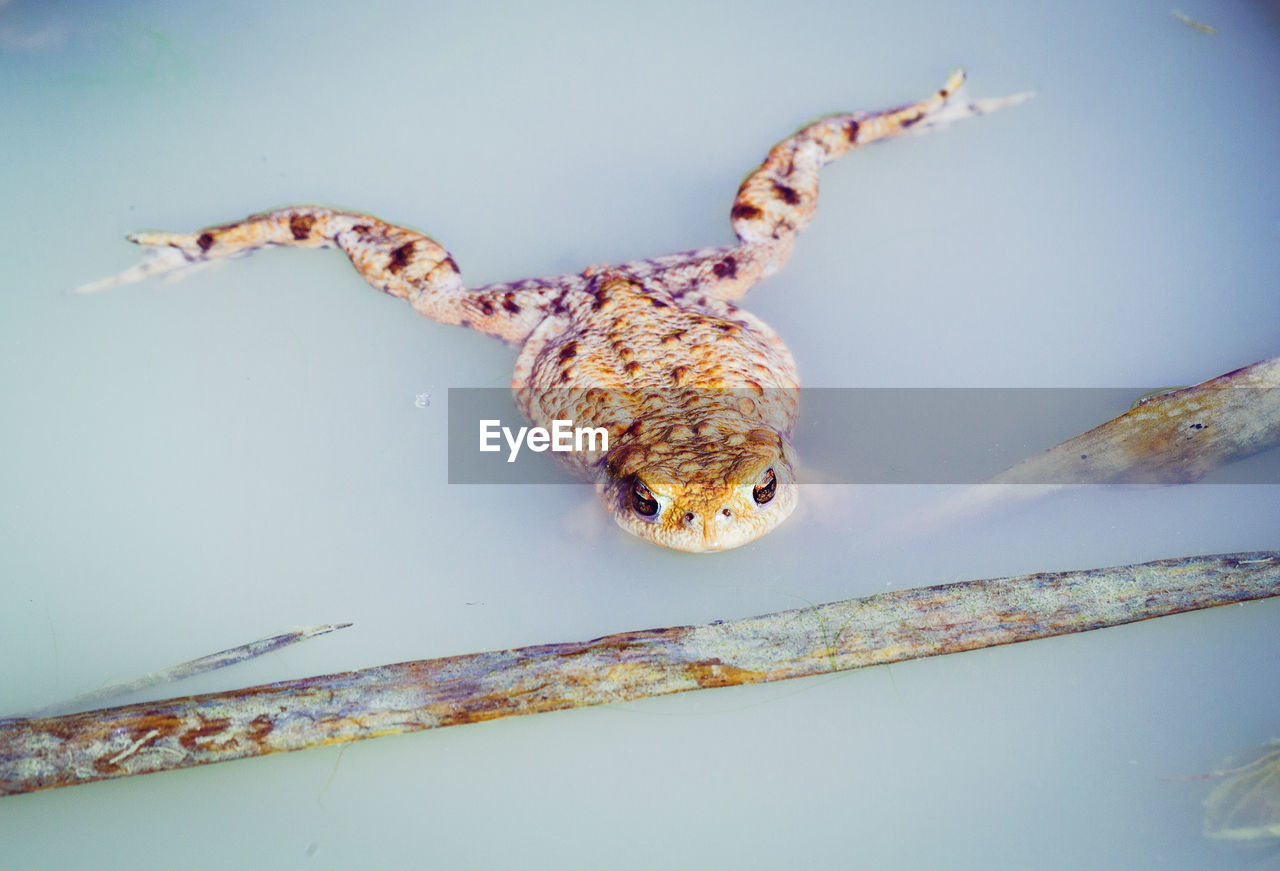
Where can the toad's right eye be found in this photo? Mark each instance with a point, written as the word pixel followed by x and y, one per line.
pixel 642 501
pixel 768 485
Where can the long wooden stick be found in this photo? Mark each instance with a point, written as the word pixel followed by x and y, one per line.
pixel 888 627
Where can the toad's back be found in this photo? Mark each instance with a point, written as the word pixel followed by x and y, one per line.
pixel 698 398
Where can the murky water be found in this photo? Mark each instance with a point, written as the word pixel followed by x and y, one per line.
pixel 191 466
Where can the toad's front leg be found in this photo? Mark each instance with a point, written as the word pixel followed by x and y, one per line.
pixel 779 198
pixel 402 262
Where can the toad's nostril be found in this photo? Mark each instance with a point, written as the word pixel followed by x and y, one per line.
pixel 726 512
pixel 688 518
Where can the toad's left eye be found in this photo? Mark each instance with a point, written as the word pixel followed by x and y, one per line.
pixel 642 501
pixel 764 491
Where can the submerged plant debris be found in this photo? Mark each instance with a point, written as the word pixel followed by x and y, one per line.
pixel 182 671
pixel 1192 23
pixel 1173 436
pixel 1244 810
pixel 1169 436
pixel 888 627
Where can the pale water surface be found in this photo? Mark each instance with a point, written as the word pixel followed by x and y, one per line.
pixel 190 466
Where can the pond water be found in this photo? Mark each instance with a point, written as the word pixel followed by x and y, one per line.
pixel 191 466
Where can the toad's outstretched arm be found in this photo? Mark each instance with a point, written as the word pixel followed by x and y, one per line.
pixel 779 198
pixel 396 260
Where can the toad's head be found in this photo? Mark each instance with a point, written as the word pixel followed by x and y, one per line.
pixel 700 493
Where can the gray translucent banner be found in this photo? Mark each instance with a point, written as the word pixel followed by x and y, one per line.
pixel 880 435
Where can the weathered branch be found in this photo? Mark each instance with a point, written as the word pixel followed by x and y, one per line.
pixel 1170 438
pixel 888 627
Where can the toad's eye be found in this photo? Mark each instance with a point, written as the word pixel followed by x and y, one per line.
pixel 642 500
pixel 766 488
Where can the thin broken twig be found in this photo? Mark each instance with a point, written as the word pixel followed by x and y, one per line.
pixel 1192 23
pixel 888 627
pixel 191 668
